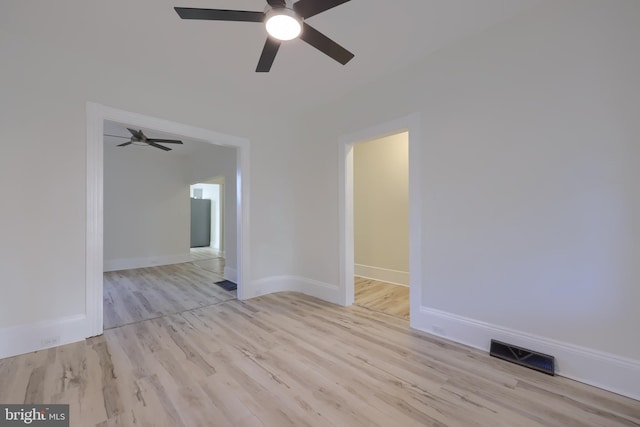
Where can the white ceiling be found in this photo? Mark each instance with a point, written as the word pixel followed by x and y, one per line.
pixel 221 56
pixel 193 60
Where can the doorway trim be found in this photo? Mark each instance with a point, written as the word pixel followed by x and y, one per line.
pixel 410 124
pixel 96 115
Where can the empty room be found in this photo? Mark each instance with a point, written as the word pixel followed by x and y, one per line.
pixel 517 255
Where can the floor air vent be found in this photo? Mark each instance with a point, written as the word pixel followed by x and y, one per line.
pixel 522 356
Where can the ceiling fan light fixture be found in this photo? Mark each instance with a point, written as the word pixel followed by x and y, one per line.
pixel 283 20
pixel 283 24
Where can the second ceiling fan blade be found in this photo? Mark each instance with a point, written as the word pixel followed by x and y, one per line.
pixel 153 144
pixel 125 144
pixel 324 44
pixel 309 8
pixel 219 14
pixel 269 52
pixel 164 141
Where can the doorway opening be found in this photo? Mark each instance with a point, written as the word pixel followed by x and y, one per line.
pixel 207 216
pixel 411 126
pixel 208 225
pixel 381 224
pixel 97 117
pixel 158 227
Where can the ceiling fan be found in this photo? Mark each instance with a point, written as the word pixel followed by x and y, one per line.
pixel 284 21
pixel 139 136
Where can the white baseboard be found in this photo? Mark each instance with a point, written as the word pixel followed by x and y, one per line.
pixel 131 263
pixel 314 288
pixel 21 339
pixel 603 370
pixel 382 274
pixel 230 274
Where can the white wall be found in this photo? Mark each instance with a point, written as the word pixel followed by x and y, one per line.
pixel 146 207
pixel 54 61
pixel 530 185
pixel 381 208
pixel 209 191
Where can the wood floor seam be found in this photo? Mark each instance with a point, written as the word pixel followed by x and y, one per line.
pixel 171 314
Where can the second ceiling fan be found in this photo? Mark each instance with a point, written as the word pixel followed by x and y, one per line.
pixel 284 21
pixel 139 136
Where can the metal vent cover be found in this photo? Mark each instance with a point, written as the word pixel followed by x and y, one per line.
pixel 522 356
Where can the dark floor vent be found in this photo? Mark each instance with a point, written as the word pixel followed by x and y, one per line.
pixel 522 356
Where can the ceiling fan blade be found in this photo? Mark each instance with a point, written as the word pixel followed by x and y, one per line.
pixel 277 3
pixel 269 51
pixel 153 144
pixel 137 134
pixel 125 144
pixel 117 136
pixel 164 141
pixel 309 8
pixel 324 44
pixel 219 14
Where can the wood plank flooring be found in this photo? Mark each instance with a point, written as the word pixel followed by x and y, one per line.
pixel 146 293
pixel 203 253
pixel 383 297
pixel 292 360
pixel 208 259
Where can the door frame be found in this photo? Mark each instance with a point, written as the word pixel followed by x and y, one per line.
pixel 96 115
pixel 412 125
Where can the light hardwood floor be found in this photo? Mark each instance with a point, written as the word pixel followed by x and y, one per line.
pixel 292 360
pixel 203 253
pixel 382 296
pixel 146 293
